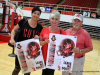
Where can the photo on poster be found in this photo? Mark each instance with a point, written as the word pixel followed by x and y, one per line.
pixel 29 55
pixel 65 48
pixel 60 55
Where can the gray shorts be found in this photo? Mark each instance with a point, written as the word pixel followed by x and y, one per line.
pixel 77 67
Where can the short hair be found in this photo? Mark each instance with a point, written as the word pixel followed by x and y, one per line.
pixel 36 9
pixel 55 13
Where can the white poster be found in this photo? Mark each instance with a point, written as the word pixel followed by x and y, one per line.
pixel 42 9
pixel 86 14
pixel 60 55
pixel 29 55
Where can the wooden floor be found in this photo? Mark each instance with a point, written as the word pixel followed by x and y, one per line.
pixel 92 61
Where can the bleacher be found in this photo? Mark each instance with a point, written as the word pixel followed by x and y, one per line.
pixel 85 4
pixel 45 1
pixel 2 1
pixel 49 3
pixel 94 31
pixel 17 0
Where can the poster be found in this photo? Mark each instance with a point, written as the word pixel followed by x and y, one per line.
pixel 60 55
pixel 86 14
pixel 93 14
pixel 29 55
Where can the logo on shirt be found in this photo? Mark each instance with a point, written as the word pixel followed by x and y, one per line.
pixel 46 36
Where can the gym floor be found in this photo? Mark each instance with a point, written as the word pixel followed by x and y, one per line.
pixel 91 66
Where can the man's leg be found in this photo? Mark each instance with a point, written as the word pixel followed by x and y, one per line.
pixel 77 67
pixel 65 73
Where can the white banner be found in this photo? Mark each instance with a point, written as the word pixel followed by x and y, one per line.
pixel 29 55
pixel 42 9
pixel 60 55
pixel 86 14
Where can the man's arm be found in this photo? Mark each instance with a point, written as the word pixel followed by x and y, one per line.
pixel 85 50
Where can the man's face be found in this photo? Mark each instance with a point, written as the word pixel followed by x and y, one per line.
pixel 77 23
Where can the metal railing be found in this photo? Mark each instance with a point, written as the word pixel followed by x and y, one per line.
pixel 63 7
pixel 97 10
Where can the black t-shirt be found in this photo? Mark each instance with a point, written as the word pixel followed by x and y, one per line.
pixel 27 31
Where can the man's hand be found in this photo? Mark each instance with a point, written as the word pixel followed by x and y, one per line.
pixel 76 50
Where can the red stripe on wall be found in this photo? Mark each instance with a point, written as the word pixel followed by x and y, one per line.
pixel 28 8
